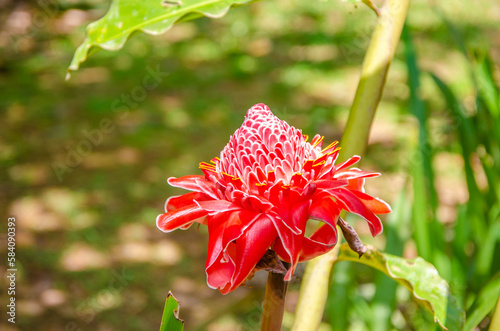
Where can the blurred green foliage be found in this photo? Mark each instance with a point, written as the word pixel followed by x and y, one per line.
pixel 89 254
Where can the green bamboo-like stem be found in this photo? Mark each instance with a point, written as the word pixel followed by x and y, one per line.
pixel 312 296
pixel 385 38
pixel 495 320
pixel 274 302
pixel 377 60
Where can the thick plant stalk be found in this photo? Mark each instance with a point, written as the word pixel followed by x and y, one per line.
pixel 377 60
pixel 385 38
pixel 314 292
pixel 274 302
pixel 495 320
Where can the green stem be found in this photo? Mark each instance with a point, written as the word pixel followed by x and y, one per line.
pixel 312 296
pixel 495 320
pixel 377 60
pixel 385 38
pixel 274 302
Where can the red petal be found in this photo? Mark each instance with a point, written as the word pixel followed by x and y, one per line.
pixel 376 205
pixel 317 141
pixel 217 206
pixel 184 200
pixel 275 191
pixel 355 177
pixel 291 234
pixel 329 184
pixel 216 225
pixel 195 183
pixel 261 204
pixel 325 238
pixel 325 210
pixel 321 242
pixel 286 254
pixel 355 173
pixel 250 248
pixel 220 272
pixel 298 180
pixel 331 148
pixel 328 168
pixel 356 184
pixel 354 205
pixel 186 182
pixel 181 218
pixel 348 163
pixel 223 228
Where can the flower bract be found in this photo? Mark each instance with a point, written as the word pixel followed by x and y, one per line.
pixel 260 193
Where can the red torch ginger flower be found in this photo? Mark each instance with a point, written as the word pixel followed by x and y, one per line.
pixel 260 193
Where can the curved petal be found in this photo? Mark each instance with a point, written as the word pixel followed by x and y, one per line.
pixel 223 228
pixel 325 210
pixel 250 248
pixel 348 163
pixel 220 272
pixel 355 178
pixel 184 200
pixel 376 205
pixel 181 218
pixel 216 226
pixel 329 184
pixel 260 204
pixel 321 242
pixel 291 229
pixel 217 206
pixel 357 184
pixel 196 183
pixel 355 173
pixel 350 202
pixel 325 238
pixel 186 182
pixel 317 140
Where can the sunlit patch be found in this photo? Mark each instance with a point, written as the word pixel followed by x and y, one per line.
pixel 80 256
pixel 34 215
pixel 52 297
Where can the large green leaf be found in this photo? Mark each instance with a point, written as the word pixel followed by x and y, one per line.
pixel 418 276
pixel 170 320
pixel 151 16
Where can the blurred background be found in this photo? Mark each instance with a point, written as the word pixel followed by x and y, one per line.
pixel 85 161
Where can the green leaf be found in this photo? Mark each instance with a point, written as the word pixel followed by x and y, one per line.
pixel 150 16
pixel 468 137
pixel 484 303
pixel 486 86
pixel 418 276
pixel 170 320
